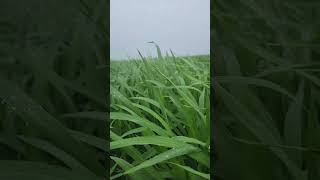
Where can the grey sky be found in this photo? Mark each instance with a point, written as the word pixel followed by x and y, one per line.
pixel 182 25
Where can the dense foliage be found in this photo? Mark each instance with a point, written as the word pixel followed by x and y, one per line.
pixel 160 120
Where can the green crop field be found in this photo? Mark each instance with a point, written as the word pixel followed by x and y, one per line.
pixel 160 120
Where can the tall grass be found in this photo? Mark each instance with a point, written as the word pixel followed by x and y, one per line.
pixel 160 120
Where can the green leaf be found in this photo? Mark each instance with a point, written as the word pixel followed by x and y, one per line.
pixel 189 169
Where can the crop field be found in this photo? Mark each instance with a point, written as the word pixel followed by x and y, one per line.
pixel 160 120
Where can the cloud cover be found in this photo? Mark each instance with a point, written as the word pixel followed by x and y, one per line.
pixel 182 25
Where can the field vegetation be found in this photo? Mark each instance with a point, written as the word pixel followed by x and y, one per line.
pixel 160 119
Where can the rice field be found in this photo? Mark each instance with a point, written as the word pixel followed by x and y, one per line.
pixel 160 120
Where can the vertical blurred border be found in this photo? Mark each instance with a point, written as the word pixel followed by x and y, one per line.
pixel 265 79
pixel 54 89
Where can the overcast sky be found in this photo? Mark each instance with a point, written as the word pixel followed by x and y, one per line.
pixel 182 25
